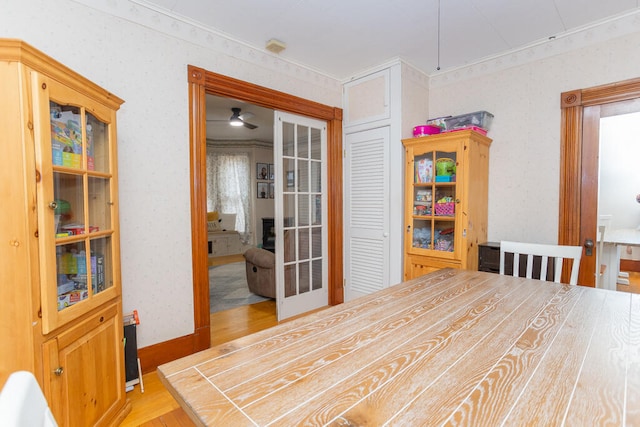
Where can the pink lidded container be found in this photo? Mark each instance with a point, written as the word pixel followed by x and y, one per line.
pixel 424 130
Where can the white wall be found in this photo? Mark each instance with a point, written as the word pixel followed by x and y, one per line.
pixel 619 181
pixel 523 91
pixel 146 65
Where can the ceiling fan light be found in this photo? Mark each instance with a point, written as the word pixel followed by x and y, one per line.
pixel 235 121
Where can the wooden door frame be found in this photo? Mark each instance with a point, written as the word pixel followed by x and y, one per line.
pixel 203 82
pixel 572 178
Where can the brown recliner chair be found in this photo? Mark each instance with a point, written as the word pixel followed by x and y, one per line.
pixel 261 272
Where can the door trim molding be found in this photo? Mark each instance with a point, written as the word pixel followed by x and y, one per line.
pixel 202 82
pixel 573 104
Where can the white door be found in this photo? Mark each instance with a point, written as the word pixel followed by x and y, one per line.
pixel 300 150
pixel 366 212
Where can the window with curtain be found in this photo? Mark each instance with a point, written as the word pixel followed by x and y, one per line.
pixel 229 187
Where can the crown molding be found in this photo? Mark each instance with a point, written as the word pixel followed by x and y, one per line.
pixel 175 25
pixel 589 35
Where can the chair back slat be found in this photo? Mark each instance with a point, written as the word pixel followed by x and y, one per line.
pixel 557 252
pixel 543 266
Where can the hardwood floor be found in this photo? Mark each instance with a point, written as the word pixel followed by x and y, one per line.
pixel 634 284
pixel 156 407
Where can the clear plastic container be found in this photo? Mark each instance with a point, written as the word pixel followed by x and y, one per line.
pixel 479 118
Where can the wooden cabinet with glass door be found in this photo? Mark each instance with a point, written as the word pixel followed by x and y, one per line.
pixel 446 189
pixel 63 219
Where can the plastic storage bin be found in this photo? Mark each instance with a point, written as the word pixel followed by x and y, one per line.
pixel 480 119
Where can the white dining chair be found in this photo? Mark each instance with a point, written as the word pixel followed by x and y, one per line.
pixel 23 404
pixel 557 252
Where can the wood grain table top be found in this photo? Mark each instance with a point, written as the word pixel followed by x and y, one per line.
pixel 453 347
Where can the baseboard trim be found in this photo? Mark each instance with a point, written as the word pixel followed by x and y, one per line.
pixel 157 354
pixel 630 265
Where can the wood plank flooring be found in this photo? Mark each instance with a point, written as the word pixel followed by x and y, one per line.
pixel 156 407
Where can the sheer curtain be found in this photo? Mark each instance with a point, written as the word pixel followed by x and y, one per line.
pixel 229 187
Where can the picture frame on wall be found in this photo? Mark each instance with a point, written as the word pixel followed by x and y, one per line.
pixel 262 170
pixel 272 190
pixel 272 172
pixel 263 190
pixel 290 179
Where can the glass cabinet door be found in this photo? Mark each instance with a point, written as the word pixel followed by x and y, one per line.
pixel 434 200
pixel 80 200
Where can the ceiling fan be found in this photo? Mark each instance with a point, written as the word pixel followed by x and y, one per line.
pixel 238 119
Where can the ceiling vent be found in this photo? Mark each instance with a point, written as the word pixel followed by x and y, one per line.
pixel 276 46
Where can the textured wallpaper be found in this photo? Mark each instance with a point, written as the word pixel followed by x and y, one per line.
pixel 525 99
pixel 146 65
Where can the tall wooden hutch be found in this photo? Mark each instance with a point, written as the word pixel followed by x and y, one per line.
pixel 60 277
pixel 446 191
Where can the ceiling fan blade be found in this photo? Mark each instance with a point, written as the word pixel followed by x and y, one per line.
pixel 249 125
pixel 238 118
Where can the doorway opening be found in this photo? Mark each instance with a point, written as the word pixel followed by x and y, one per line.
pixel 582 111
pixel 201 83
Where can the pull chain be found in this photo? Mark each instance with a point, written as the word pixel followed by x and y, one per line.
pixel 438 68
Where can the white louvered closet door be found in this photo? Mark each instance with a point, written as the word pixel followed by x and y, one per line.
pixel 366 212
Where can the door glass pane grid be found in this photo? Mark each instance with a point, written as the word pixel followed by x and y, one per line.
pixel 443 236
pixel 304 279
pixel 302 209
pixel 316 274
pixel 434 201
pixel 66 135
pixel 101 277
pixel 97 142
pixel 290 274
pixel 74 282
pixel 289 238
pixel 445 201
pixel 303 176
pixel 303 142
pixel 315 177
pixel 81 203
pixel 316 242
pixel 288 140
pixel 316 144
pixel 68 204
pixel 99 202
pixel 289 175
pixel 71 267
pixel 303 243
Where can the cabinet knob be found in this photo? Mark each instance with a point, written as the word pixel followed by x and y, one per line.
pixel 59 371
pixel 53 205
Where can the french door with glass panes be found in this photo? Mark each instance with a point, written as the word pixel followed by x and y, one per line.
pixel 300 148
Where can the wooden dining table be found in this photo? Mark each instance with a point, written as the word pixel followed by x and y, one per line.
pixel 453 347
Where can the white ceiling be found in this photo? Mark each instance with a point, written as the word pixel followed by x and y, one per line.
pixel 341 38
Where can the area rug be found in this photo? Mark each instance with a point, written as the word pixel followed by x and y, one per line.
pixel 228 287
